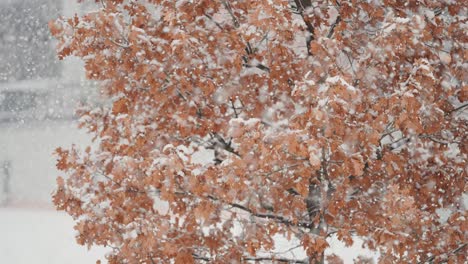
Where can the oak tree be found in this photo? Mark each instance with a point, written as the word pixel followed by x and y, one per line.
pixel 227 124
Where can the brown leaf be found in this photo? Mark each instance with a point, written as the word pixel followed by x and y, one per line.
pixel 120 106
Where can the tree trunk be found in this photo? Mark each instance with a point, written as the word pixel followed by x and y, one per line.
pixel 302 4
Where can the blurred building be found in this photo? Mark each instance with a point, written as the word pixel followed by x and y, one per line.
pixel 38 95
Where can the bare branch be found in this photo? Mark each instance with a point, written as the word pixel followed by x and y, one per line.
pixel 220 142
pixel 228 7
pixel 301 6
pixel 458 108
pixel 259 66
pixel 269 258
pixel 125 46
pixel 234 108
pixel 437 140
pixel 278 218
pixel 445 255
pixel 103 4
pixel 281 260
pixel 260 42
pixel 212 19
pixel 332 29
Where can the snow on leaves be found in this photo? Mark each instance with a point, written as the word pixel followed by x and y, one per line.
pixel 314 118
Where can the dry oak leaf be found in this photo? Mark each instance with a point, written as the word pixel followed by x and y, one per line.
pixel 184 257
pixel 120 106
pixel 62 163
pixel 355 165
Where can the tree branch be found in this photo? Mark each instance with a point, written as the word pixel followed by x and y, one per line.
pixel 248 48
pixel 229 9
pixel 212 20
pixel 120 44
pixel 453 252
pixel 278 218
pixel 332 29
pixel 458 108
pixel 437 140
pixel 234 108
pixel 220 142
pixel 195 256
pixel 301 5
pixel 281 260
pixel 259 66
pixel 103 4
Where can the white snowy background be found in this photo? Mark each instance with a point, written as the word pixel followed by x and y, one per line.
pixel 37 98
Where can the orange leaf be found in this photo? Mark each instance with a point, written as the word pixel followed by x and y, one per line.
pixel 120 106
pixel 184 257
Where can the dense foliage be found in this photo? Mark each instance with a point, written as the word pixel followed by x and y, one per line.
pixel 228 124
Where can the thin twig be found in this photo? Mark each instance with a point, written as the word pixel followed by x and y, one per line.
pixel 310 28
pixel 212 20
pixel 283 260
pixel 459 108
pixel 278 218
pixel 453 252
pixel 229 9
pixel 103 4
pixel 332 29
pixel 234 108
pixel 430 137
pixel 125 46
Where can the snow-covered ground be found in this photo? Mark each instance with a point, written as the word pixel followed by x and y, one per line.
pixel 28 149
pixel 31 231
pixel 41 236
